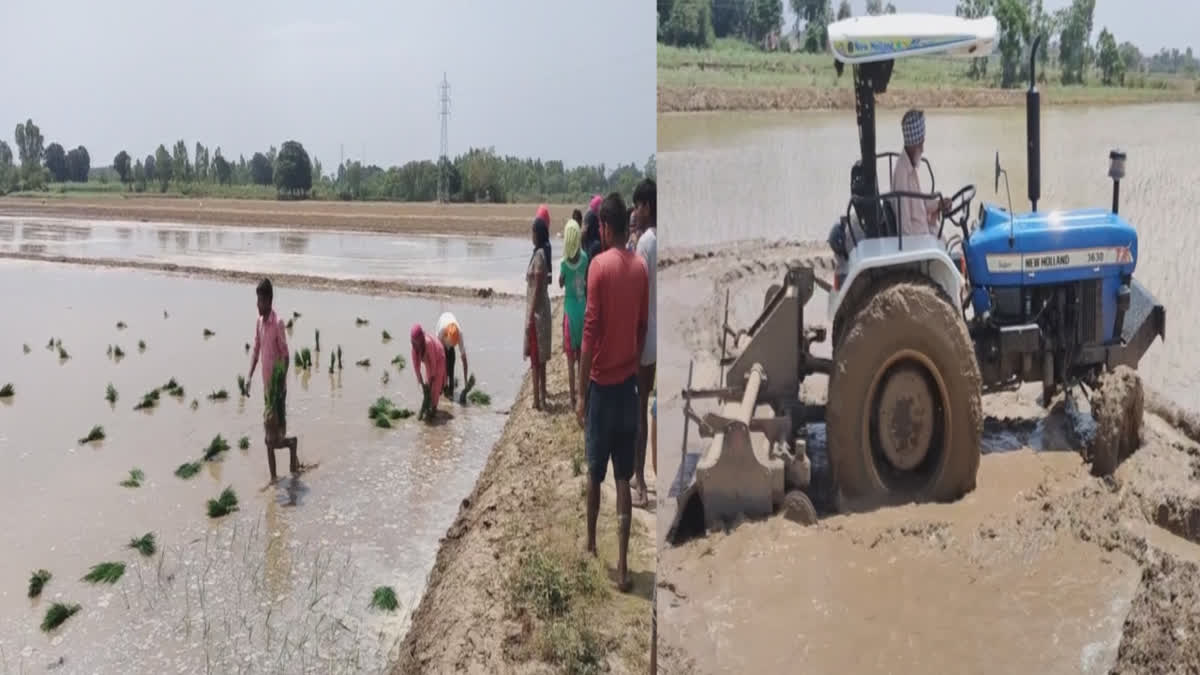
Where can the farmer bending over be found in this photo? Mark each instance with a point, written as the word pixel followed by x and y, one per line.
pixel 271 343
pixel 450 335
pixel 916 216
pixel 427 351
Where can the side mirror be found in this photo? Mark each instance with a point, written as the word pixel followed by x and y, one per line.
pixel 997 186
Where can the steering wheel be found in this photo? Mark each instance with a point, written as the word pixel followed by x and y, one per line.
pixel 959 211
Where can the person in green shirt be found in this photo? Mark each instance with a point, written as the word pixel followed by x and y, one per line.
pixel 572 278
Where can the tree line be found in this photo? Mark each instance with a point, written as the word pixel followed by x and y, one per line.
pixel 1065 33
pixel 478 175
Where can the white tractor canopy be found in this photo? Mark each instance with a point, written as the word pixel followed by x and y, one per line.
pixel 869 39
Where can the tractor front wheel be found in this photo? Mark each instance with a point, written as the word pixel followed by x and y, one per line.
pixel 904 417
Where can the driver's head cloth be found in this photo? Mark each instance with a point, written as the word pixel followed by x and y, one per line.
pixel 913 126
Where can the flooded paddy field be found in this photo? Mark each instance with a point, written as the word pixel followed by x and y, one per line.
pixel 284 583
pixel 452 260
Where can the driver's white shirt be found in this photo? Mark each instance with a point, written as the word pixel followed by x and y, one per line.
pixel 915 214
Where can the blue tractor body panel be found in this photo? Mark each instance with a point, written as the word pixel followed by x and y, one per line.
pixel 1051 248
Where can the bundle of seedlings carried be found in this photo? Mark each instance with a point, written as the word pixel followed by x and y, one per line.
pixel 136 476
pixel 306 358
pixel 359 321
pixel 275 404
pixel 38 581
pixel 120 325
pixel 365 363
pixel 244 443
pixel 110 393
pixel 208 333
pixel 141 345
pixel 243 387
pixel 384 598
pixel 223 505
pixel 188 470
pixel 400 362
pixel 218 395
pixel 339 355
pixel 105 572
pixel 6 391
pixel 57 614
pixel 387 336
pixel 96 434
pixel 215 447
pixel 143 544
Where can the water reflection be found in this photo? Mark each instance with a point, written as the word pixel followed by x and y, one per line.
pixel 294 243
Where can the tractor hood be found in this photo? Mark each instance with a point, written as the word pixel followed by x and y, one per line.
pixel 1049 247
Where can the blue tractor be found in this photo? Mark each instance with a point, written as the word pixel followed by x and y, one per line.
pixel 923 325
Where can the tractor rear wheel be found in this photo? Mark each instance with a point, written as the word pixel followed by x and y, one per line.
pixel 1117 409
pixel 904 417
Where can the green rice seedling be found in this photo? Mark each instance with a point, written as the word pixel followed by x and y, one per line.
pixel 400 362
pixel 187 470
pixel 171 384
pixel 479 397
pixel 242 386
pixel 383 422
pixel 306 358
pixel 244 443
pixel 218 395
pixel 6 391
pixel 215 447
pixel 317 341
pixel 143 544
pixel 96 434
pixel 339 355
pixel 149 400
pixel 50 345
pixel 177 392
pixel 25 347
pixel 295 314
pixel 105 572
pixel 62 353
pixel 165 314
pixel 136 476
pixel 289 324
pixel 400 413
pixel 365 363
pixel 359 321
pixel 121 325
pixel 386 336
pixel 57 614
pixel 247 347
pixel 110 393
pixel 332 358
pixel 223 505
pixel 384 379
pixel 384 598
pixel 141 345
pixel 299 360
pixel 57 342
pixel 208 333
pixel 118 353
pixel 195 404
pixel 38 581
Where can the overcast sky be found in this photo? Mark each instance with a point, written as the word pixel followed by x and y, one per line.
pixel 246 74
pixel 1149 24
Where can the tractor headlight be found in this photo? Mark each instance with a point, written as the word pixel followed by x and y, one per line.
pixel 1116 165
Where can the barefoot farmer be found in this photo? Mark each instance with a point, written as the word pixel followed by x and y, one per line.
pixel 537 309
pixel 429 356
pixel 614 335
pixel 270 343
pixel 646 209
pixel 572 278
pixel 450 335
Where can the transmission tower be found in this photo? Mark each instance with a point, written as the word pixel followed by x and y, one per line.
pixel 443 158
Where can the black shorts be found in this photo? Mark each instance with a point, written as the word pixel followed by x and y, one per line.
pixel 611 428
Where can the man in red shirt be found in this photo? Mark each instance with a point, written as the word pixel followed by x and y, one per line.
pixel 614 333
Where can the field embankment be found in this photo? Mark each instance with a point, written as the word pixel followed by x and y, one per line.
pixel 511 589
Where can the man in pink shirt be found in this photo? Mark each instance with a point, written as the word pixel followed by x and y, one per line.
pixel 614 334
pixel 427 351
pixel 270 341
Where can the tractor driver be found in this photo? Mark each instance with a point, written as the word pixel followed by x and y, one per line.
pixel 916 216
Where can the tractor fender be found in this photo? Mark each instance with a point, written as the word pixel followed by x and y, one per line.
pixel 924 254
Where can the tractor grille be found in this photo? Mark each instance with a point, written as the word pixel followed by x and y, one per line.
pixel 1091 312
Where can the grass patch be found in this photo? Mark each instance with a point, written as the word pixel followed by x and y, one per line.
pixel 187 470
pixel 546 584
pixel 387 337
pixel 6 391
pixel 57 614
pixel 359 321
pixel 110 393
pixel 143 544
pixel 38 581
pixel 365 363
pixel 384 598
pixel 141 345
pixel 105 572
pixel 244 443
pixel 223 505
pixel 218 395
pixel 215 447
pixel 572 645
pixel 136 476
pixel 96 434
pixel 208 333
pixel 400 362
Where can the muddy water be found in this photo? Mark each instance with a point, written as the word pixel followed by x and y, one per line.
pixel 284 584
pixel 496 262
pixel 727 177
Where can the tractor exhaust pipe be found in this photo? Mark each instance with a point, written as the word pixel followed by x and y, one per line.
pixel 1033 114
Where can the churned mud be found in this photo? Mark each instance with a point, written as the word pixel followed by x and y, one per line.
pixel 1085 574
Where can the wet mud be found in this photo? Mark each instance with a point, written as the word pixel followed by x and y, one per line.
pixel 1087 574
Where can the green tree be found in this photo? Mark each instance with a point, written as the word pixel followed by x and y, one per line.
pixel 844 11
pixel 874 7
pixel 79 163
pixel 56 162
pixel 1074 50
pixel 222 169
pixel 29 151
pixel 261 171
pixel 121 166
pixel 1013 18
pixel 139 176
pixel 973 9
pixel 293 170
pixel 163 168
pixel 890 9
pixel 148 164
pixel 316 171
pixel 1112 67
pixel 181 168
pixel 1132 57
pixel 766 16
pixel 730 17
pixel 815 15
pixel 201 162
pixel 689 24
pixel 8 171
